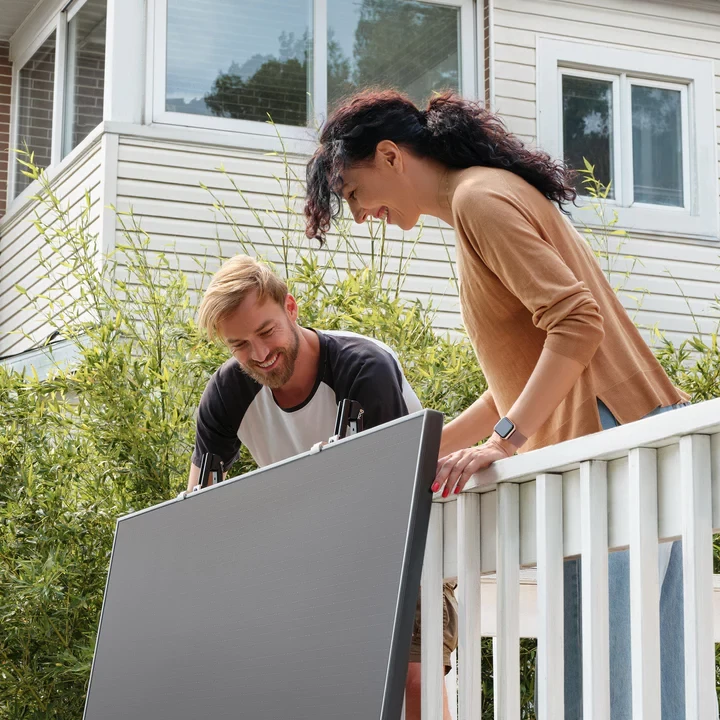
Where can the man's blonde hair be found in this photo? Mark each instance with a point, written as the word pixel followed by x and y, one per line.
pixel 231 284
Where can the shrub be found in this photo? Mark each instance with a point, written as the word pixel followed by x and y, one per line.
pixel 114 432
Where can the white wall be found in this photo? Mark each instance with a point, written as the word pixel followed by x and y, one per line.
pixel 672 27
pixel 21 326
pixel 160 181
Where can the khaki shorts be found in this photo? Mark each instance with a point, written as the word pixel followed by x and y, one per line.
pixel 450 627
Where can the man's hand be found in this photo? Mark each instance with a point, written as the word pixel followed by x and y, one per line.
pixel 454 470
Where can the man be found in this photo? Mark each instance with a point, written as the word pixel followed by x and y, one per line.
pixel 279 392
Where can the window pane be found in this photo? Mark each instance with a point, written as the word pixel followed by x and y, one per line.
pixel 239 59
pixel 657 146
pixel 587 127
pixel 409 45
pixel 35 108
pixel 85 73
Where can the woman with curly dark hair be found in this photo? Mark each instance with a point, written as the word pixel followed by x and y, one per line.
pixel 560 354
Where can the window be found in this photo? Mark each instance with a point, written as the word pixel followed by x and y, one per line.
pixel 59 82
pixel 239 60
pixel 229 64
pixel 36 86
pixel 587 123
pixel 597 110
pixel 644 121
pixel 84 73
pixel 409 45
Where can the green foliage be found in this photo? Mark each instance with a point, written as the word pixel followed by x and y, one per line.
pixel 693 365
pixel 605 238
pixel 528 651
pixel 113 433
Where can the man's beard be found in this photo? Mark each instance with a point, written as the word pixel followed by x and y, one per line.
pixel 286 359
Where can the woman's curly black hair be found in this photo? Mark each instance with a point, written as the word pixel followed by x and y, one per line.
pixel 453 131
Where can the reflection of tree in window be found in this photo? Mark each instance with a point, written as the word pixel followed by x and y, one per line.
pixel 264 86
pixel 404 44
pixel 409 45
pixel 587 126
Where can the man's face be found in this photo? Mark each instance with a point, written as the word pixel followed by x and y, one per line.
pixel 264 338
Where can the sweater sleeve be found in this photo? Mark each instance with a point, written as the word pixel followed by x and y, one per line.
pixel 501 231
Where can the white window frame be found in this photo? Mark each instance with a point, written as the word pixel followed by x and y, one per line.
pixel 23 45
pixel 156 82
pixel 693 77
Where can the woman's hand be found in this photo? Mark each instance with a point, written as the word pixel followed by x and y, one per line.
pixel 454 470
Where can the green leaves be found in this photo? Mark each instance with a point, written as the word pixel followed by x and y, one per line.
pixel 114 432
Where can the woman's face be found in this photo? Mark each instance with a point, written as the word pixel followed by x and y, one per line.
pixel 383 188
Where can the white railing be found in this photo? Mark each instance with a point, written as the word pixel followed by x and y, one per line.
pixel 631 487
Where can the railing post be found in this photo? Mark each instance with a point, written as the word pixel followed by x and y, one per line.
pixel 644 584
pixel 697 576
pixel 431 619
pixel 469 637
pixel 550 598
pixel 595 602
pixel 507 669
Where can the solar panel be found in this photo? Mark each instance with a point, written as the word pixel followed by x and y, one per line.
pixel 287 593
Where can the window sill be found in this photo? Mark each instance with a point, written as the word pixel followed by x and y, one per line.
pixel 661 221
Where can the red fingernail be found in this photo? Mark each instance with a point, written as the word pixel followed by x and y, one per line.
pixel 457 490
pixel 435 487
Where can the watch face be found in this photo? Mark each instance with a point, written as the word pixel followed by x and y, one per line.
pixel 504 428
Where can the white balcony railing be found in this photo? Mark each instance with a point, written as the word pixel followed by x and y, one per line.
pixel 631 487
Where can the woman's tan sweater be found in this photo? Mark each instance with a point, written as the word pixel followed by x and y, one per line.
pixel 529 281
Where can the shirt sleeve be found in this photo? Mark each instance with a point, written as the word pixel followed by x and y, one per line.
pixel 214 432
pixel 378 388
pixel 533 270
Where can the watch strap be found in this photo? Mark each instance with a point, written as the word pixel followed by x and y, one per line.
pixel 514 437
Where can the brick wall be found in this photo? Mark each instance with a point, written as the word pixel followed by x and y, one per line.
pixel 5 78
pixel 89 91
pixel 35 107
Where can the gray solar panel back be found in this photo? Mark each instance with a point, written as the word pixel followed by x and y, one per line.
pixel 287 593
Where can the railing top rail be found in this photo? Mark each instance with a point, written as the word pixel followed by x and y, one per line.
pixel 655 432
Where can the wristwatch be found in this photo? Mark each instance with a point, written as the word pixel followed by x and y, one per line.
pixel 507 431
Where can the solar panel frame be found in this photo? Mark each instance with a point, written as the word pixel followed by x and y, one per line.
pixel 420 445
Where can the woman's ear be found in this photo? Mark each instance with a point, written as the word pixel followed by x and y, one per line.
pixel 389 155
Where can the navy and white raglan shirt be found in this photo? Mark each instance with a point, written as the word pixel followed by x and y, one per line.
pixel 236 410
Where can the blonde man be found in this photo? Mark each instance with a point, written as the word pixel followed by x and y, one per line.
pixel 278 394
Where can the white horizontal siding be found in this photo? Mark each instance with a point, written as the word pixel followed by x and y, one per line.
pixel 21 325
pixel 681 277
pixel 162 184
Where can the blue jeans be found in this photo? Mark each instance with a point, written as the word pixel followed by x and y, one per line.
pixel 672 649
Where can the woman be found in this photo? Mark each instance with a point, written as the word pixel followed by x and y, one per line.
pixel 561 357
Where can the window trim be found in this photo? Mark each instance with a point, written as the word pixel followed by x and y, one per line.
pixel 52 17
pixel 699 217
pixel 157 61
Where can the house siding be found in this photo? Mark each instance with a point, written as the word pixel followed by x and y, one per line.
pixel 21 324
pixel 5 83
pixel 673 280
pixel 673 283
pixel 160 182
